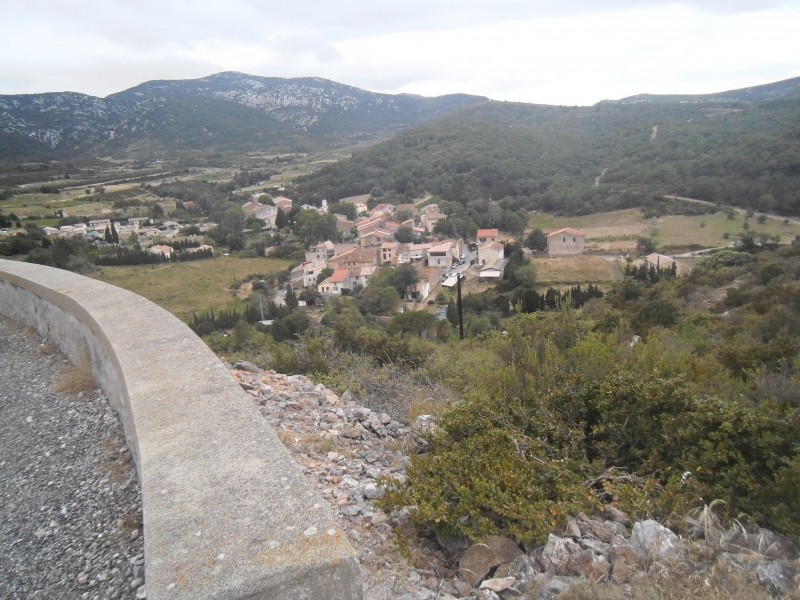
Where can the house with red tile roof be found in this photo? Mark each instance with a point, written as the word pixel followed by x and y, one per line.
pixel 335 283
pixel 484 236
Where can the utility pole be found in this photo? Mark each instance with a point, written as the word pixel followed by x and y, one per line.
pixel 460 310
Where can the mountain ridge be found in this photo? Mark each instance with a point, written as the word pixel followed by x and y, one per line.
pixel 227 110
pixel 233 111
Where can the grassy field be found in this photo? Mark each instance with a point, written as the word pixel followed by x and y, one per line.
pixel 191 287
pixel 670 231
pixel 577 269
pixel 77 203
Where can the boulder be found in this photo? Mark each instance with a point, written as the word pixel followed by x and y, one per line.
pixel 557 554
pixel 523 568
pixel 778 579
pixel 454 544
pixel 551 586
pixel 612 513
pixel 498 584
pixel 481 558
pixel 599 530
pixel 243 365
pixel 588 564
pixel 763 541
pixel 652 541
pixel 623 560
pixel 422 427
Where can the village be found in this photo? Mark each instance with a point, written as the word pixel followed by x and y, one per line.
pixel 371 241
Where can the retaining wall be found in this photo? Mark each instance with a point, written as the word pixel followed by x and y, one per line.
pixel 227 514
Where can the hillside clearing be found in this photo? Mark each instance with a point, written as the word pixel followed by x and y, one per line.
pixel 191 287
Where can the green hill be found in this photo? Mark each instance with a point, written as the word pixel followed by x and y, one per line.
pixel 586 159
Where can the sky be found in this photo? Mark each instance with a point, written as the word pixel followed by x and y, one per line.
pixel 560 52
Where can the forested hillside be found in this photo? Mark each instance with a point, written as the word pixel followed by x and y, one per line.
pixel 576 160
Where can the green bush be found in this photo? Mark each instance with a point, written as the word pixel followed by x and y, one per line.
pixel 571 418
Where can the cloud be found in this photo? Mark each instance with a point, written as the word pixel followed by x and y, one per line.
pixel 569 52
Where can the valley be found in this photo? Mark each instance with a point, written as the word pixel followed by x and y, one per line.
pixel 628 329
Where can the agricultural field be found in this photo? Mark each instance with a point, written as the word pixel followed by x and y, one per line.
pixel 617 231
pixel 77 203
pixel 191 287
pixel 570 270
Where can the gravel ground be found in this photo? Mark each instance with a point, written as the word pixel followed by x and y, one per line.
pixel 70 509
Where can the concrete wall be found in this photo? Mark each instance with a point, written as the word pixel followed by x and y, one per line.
pixel 227 514
pixel 565 244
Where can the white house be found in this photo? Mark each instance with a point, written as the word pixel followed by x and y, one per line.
pixel 489 253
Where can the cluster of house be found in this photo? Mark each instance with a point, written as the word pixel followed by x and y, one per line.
pixel 147 234
pixel 269 212
pixel 352 265
pixel 372 226
pixel 95 229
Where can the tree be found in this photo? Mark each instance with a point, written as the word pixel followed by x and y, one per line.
pixel 415 322
pixel 389 299
pixel 107 235
pixel 645 245
pixel 524 276
pixel 290 299
pixel 281 221
pixel 403 214
pixel 343 208
pixel 324 274
pixel 313 227
pixel 404 235
pixel 536 240
pixel 404 277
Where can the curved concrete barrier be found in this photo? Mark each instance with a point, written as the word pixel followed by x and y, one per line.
pixel 227 514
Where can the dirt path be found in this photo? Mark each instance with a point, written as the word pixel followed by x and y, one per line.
pixel 740 211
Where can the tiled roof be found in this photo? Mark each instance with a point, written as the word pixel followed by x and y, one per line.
pixel 568 231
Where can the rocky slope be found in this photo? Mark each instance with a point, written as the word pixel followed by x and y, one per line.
pixel 223 111
pixel 346 450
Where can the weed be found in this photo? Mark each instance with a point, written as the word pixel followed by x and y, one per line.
pixel 76 379
pixel 48 348
pixel 708 521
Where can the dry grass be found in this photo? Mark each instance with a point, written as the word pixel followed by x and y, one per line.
pixel 131 520
pixel 717 582
pixel 617 223
pixel 671 230
pixel 401 394
pixel 48 348
pixel 308 443
pixel 76 379
pixel 577 269
pixel 191 287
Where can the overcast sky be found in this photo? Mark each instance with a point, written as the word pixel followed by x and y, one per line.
pixel 540 51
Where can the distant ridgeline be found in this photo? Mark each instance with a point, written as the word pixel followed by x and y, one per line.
pixel 732 148
pixel 229 112
pixel 737 148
